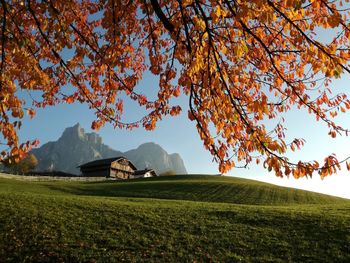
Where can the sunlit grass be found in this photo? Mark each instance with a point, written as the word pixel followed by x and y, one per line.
pixel 223 219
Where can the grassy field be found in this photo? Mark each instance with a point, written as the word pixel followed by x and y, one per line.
pixel 170 219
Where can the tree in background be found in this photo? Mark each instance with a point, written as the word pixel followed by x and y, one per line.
pixel 240 63
pixel 168 173
pixel 24 166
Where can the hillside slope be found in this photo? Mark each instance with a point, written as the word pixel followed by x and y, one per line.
pixel 50 222
pixel 189 187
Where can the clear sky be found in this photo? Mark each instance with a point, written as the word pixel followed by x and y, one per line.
pixel 178 134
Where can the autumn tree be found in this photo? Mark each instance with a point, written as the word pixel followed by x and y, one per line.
pixel 240 63
pixel 23 166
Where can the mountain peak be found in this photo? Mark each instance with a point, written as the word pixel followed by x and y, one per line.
pixel 74 132
pixel 149 145
pixel 76 147
pixel 152 155
pixel 77 126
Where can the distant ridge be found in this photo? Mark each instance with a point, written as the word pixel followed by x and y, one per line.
pixel 76 147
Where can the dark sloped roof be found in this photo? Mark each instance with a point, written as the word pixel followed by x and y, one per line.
pixel 140 172
pixel 104 162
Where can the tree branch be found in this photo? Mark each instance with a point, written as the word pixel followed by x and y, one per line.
pixel 161 16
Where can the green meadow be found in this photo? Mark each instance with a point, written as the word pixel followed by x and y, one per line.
pixel 188 218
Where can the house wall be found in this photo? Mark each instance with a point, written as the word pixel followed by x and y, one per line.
pixel 121 169
pixel 120 174
pixel 148 174
pixel 102 172
pixel 122 165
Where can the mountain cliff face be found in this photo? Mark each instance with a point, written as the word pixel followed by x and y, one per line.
pixel 151 155
pixel 76 147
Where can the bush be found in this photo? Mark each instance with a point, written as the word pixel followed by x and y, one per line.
pixel 23 166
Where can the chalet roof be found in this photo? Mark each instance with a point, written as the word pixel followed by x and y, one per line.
pixel 140 172
pixel 105 162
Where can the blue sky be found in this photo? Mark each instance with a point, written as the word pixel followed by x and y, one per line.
pixel 178 134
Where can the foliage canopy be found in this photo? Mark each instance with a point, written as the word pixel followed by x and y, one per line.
pixel 241 63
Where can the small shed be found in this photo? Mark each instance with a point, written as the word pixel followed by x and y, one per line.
pixel 144 173
pixel 117 167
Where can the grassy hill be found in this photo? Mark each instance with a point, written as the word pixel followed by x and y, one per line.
pixel 202 188
pixel 222 219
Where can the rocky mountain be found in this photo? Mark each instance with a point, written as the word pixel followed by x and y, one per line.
pixel 76 147
pixel 151 155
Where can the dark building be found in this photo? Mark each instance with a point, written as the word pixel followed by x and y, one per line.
pixel 118 167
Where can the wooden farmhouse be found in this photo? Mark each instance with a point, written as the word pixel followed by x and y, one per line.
pixel 118 168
